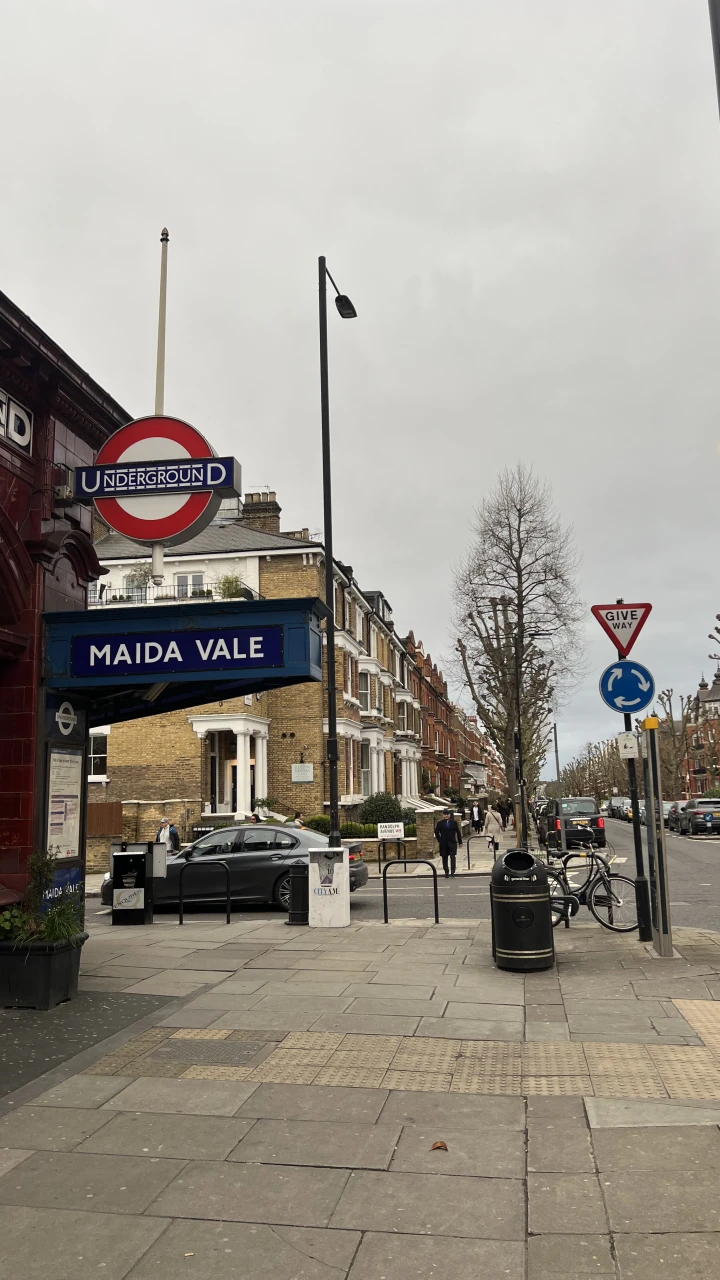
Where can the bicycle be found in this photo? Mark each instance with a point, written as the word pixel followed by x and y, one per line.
pixel 610 898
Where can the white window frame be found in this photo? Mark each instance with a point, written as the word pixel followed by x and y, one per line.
pixel 365 774
pixel 364 693
pixel 102 731
pixel 190 584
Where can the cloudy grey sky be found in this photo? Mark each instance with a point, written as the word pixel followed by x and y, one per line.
pixel 522 198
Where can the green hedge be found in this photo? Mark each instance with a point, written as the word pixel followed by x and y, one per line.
pixel 381 807
pixel 351 829
pixel 319 823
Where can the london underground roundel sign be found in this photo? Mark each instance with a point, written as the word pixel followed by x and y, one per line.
pixel 157 480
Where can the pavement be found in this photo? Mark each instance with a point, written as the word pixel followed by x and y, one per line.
pixel 278 1117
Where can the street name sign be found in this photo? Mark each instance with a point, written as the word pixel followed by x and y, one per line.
pixel 628 746
pixel 223 649
pixel 157 480
pixel 627 687
pixel 391 830
pixel 622 623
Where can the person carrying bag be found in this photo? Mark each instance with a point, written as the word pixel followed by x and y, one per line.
pixel 493 827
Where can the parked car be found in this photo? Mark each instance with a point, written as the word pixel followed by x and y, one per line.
pixel 259 858
pixel 642 810
pixel 667 806
pixel 605 808
pixel 583 822
pixel 619 806
pixel 699 816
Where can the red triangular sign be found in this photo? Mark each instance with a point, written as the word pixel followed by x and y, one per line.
pixel 622 622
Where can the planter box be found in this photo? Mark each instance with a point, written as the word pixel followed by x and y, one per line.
pixel 39 975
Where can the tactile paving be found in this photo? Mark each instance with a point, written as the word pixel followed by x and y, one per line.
pixel 494 1054
pixel 312 1040
pixel 610 1057
pixel 358 1077
pixel 361 1058
pixel 703 1015
pixel 687 1072
pixel 420 1081
pixel 368 1043
pixel 561 1059
pixel 636 1084
pixel 423 1060
pixel 288 1074
pixel 216 1073
pixel 467 1080
pixel 283 1057
pixel 199 1033
pixel 579 1086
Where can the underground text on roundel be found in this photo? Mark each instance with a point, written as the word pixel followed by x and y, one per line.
pixel 222 649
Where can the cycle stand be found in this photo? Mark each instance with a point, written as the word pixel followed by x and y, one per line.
pixel 476 837
pixel 418 862
pixel 382 849
pixel 206 862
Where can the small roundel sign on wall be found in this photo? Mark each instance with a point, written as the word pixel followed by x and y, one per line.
pixel 157 480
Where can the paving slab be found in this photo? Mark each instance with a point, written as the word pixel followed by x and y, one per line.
pixel 190 1018
pixel 82 1091
pixel 470 1029
pixel 301 1002
pixel 10 1158
pixel 432 1204
pixel 547 1032
pixel 176 1137
pixel 303 1102
pixel 472 1112
pixel 252 1193
pixel 412 1257
pixel 69 1245
pixel 227 1250
pixel 673 1255
pixel 252 1020
pixel 612 1113
pixel 49 1128
pixel 386 991
pixel 406 1006
pixel 100 1184
pixel 676 1147
pixel 559 1146
pixel 477 1012
pixel 367 1024
pixel 182 1097
pixel 341 1145
pixel 490 1153
pixel 639 1201
pixel 554 1257
pixel 572 1201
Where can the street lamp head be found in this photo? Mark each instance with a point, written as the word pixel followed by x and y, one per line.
pixel 345 307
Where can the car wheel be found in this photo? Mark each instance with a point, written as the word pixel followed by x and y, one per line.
pixel 281 892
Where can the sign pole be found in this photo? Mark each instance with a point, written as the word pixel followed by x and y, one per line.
pixel 661 930
pixel 563 837
pixel 157 550
pixel 642 888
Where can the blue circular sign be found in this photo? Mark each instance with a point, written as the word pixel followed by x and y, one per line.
pixel 627 687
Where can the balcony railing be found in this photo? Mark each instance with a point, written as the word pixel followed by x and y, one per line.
pixel 170 593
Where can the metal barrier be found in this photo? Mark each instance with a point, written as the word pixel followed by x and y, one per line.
pixel 206 862
pixel 418 862
pixel 475 837
pixel 382 846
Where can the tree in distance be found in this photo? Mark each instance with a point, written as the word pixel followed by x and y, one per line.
pixel 519 578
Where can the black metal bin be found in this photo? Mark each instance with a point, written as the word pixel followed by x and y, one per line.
pixel 522 935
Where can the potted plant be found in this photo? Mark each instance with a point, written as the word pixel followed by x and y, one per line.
pixel 41 940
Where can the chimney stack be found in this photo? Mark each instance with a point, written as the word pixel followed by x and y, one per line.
pixel 262 511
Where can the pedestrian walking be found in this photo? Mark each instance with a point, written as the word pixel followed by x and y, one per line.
pixel 298 820
pixel 448 836
pixel 168 835
pixel 476 817
pixel 493 827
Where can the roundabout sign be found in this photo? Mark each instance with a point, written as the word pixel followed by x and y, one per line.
pixel 157 480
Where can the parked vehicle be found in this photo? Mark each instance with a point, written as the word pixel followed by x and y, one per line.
pixel 619 806
pixel 259 859
pixel 583 822
pixel 642 810
pixel 700 817
pixel 673 817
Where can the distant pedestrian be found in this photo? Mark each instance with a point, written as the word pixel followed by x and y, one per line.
pixel 493 827
pixel 448 836
pixel 253 818
pixel 298 820
pixel 476 816
pixel 168 835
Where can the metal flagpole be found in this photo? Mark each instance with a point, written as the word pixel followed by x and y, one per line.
pixel 563 837
pixel 157 551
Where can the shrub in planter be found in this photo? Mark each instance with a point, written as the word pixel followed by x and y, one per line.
pixel 319 823
pixel 411 829
pixel 409 817
pixel 39 944
pixel 369 829
pixel 351 829
pixel 382 807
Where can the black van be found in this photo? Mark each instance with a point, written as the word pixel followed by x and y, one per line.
pixel 583 822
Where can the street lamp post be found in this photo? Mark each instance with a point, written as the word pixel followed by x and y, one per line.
pixel 527 635
pixel 348 312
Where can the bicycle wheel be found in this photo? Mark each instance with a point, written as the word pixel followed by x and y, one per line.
pixel 558 907
pixel 612 902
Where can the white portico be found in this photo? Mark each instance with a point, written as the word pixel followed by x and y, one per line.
pixel 237 776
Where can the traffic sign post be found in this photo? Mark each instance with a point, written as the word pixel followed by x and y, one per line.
pixel 657 854
pixel 625 687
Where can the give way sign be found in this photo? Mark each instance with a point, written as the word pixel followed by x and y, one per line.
pixel 622 622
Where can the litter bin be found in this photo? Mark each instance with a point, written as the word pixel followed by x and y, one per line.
pixel 298 912
pixel 522 935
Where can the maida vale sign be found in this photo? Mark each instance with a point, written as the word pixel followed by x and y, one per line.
pixel 229 649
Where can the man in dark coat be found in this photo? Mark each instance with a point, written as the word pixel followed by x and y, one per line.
pixel 448 836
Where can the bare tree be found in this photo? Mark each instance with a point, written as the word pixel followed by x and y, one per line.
pixel 517 586
pixel 672 741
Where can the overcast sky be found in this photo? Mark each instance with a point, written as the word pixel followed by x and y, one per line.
pixel 522 197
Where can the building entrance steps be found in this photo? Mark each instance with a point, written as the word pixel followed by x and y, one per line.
pixel 399 1109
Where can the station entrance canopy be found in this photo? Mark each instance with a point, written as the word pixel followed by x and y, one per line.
pixel 126 663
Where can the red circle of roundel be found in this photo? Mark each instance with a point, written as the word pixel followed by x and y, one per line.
pixel 194 511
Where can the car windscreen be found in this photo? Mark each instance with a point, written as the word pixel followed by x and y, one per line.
pixel 584 807
pixel 708 804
